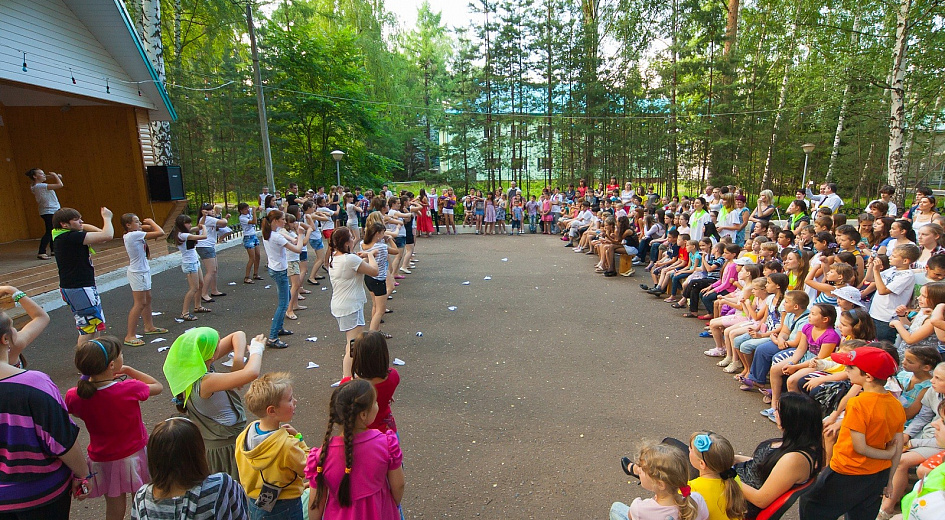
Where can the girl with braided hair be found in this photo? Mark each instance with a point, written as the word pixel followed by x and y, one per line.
pixel 359 474
pixel 663 471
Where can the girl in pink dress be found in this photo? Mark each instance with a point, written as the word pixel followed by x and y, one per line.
pixel 358 474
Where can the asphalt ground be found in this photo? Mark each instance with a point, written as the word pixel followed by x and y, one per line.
pixel 518 404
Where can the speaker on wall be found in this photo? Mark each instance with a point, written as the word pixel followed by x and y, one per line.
pixel 165 183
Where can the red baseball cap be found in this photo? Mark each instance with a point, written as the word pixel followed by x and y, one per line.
pixel 874 361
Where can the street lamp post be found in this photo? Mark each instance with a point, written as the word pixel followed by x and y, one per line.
pixel 337 155
pixel 808 148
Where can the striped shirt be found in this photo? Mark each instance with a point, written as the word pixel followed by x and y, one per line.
pixel 35 430
pixel 217 497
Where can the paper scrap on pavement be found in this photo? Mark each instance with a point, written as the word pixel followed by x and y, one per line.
pixel 311 365
pixel 158 340
pixel 505 259
pixel 313 339
pixel 266 287
pixel 399 362
pixel 487 278
pixel 156 313
pixel 419 334
pixel 452 307
pixel 139 336
pixel 178 320
pixel 466 283
pixel 163 349
pixel 232 283
pixel 324 288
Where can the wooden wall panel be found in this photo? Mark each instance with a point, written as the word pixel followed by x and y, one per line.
pixel 96 149
pixel 15 188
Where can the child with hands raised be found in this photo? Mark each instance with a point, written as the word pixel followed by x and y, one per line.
pixel 107 400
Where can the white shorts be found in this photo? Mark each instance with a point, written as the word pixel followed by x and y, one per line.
pixel 447 212
pixel 350 321
pixel 139 281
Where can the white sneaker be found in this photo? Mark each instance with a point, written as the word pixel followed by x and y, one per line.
pixel 578 249
pixel 405 271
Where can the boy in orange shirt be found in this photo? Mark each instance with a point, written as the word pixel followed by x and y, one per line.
pixel 869 443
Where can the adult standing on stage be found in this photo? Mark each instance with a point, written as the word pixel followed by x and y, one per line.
pixel 48 204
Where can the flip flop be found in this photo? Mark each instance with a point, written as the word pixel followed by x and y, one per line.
pixel 293 317
pixel 690 315
pixel 133 343
pixel 257 277
pixel 188 317
pixel 157 330
pixel 248 280
pixel 678 305
pixel 202 309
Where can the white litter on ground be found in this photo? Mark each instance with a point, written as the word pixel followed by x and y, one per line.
pixel 399 362
pixel 156 313
pixel 505 259
pixel 313 339
pixel 158 340
pixel 311 365
pixel 487 278
pixel 266 287
pixel 466 283
pixel 232 283
pixel 452 307
pixel 419 334
pixel 163 349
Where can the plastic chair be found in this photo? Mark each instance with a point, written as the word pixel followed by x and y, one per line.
pixel 783 503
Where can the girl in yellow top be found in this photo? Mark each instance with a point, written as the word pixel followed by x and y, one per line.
pixel 713 456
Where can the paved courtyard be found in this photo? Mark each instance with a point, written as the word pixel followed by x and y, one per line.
pixel 517 404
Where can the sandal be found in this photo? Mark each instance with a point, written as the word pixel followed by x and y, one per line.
pixel 133 342
pixel 301 298
pixel 292 317
pixel 705 317
pixel 257 277
pixel 211 300
pixel 301 307
pixel 157 330
pixel 218 294
pixel 202 309
pixel 188 317
pixel 766 392
pixel 386 335
pixel 304 291
pixel 690 315
pixel 310 282
pixel 678 305
pixel 248 280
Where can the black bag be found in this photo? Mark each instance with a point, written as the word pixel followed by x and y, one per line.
pixel 829 395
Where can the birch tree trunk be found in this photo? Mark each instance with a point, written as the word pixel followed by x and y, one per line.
pixel 151 36
pixel 897 111
pixel 844 104
pixel 782 100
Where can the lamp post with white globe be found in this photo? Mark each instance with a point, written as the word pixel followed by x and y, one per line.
pixel 337 155
pixel 808 148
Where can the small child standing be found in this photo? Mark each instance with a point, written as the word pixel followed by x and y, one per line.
pixel 664 471
pixel 531 208
pixel 190 265
pixel 500 211
pixel 139 275
pixel 870 437
pixel 893 288
pixel 250 242
pixel 106 399
pixel 270 453
pixel 371 361
pixel 362 462
pixel 518 214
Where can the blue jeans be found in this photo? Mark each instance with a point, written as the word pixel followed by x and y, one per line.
pixel 761 363
pixel 884 331
pixel 619 511
pixel 290 509
pixel 676 285
pixel 281 279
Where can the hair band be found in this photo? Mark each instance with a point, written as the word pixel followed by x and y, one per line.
pixel 104 350
pixel 347 470
pixel 318 469
pixel 730 473
pixel 685 491
pixel 84 378
pixel 177 417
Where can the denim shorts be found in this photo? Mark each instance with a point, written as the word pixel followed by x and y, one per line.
pixel 316 242
pixel 250 241
pixel 303 256
pixel 86 308
pixel 188 267
pixel 206 253
pixel 400 242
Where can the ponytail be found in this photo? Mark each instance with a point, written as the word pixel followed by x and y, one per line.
pixel 338 242
pixel 92 358
pixel 267 223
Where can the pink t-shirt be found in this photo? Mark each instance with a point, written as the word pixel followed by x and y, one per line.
pixel 375 453
pixel 385 396
pixel 813 345
pixel 113 418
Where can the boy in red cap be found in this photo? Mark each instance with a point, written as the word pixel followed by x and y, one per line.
pixel 868 445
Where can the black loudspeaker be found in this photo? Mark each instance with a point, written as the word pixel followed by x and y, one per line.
pixel 165 183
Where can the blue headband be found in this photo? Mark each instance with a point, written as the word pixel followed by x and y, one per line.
pixel 104 351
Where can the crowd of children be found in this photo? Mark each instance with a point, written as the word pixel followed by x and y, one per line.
pixel 848 317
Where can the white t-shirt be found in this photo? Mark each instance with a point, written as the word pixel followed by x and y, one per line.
pixel 262 199
pixel 135 246
pixel 347 287
pixel 626 196
pixel 556 201
pixel 584 218
pixel 291 236
pixel 46 198
pixel 248 223
pixel 327 224
pixel 210 226
pixel 187 256
pixel 276 251
pixel 697 222
pixel 352 215
pixel 398 227
pixel 900 283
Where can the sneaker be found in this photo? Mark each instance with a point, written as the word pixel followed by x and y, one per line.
pixel 399 277
pixel 578 249
pixel 405 271
pixel 767 412
pixel 636 261
pixel 705 334
pixel 715 352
